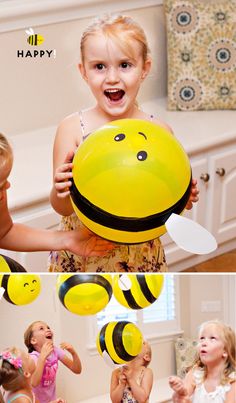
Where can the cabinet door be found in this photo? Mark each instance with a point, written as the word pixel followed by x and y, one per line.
pixel 223 168
pixel 197 213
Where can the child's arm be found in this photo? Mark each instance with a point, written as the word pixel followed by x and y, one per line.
pixel 140 392
pixel 117 386
pixel 73 364
pixel 231 395
pixel 183 388
pixel 65 144
pixel 38 372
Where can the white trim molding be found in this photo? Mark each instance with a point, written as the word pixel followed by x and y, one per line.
pixel 18 14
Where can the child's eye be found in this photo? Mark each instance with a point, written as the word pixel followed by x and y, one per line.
pixel 125 65
pixel 99 66
pixel 213 338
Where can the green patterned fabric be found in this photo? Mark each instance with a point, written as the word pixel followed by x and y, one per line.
pixel 201 41
pixel 185 352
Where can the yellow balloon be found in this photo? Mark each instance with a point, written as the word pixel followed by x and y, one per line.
pixel 121 340
pixel 128 178
pixel 141 291
pixel 84 294
pixel 9 265
pixel 20 289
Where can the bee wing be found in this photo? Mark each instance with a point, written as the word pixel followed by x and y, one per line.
pixel 189 235
pixel 2 290
pixel 29 31
pixel 109 361
pixel 124 282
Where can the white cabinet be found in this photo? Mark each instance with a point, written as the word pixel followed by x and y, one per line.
pixel 215 171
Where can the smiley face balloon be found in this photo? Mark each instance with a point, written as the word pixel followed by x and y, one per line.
pixel 129 176
pixel 20 289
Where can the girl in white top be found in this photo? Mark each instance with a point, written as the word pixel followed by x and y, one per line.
pixel 212 378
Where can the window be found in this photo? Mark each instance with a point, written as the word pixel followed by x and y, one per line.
pixel 159 320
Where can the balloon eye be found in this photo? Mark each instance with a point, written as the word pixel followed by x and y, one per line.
pixel 26 284
pixel 142 155
pixel 34 281
pixel 119 137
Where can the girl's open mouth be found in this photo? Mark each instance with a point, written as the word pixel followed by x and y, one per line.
pixel 114 95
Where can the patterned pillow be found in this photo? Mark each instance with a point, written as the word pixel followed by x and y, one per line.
pixel 201 36
pixel 185 352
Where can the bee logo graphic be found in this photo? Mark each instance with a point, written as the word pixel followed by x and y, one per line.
pixel 34 39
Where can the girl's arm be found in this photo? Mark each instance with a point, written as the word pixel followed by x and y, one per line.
pixel 73 364
pixel 183 389
pixel 65 144
pixel 117 386
pixel 141 392
pixel 231 395
pixel 6 221
pixel 38 372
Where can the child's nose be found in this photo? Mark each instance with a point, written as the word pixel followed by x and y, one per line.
pixel 112 75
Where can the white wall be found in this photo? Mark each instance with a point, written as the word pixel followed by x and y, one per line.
pixel 68 327
pixel 38 93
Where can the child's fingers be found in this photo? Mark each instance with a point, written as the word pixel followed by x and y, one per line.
pixel 62 186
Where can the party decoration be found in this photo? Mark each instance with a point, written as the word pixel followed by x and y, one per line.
pixel 121 340
pixel 20 289
pixel 84 294
pixel 129 177
pixel 140 291
pixel 9 265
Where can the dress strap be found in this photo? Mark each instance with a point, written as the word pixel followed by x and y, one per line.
pixel 82 125
pixel 19 395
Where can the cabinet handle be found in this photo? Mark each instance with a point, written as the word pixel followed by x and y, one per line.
pixel 220 171
pixel 205 177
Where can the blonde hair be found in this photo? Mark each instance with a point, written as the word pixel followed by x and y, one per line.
pixel 6 154
pixel 11 378
pixel 121 29
pixel 28 335
pixel 229 339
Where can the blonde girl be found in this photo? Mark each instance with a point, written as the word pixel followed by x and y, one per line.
pixel 212 377
pixel 133 382
pixel 16 369
pixel 20 237
pixel 115 60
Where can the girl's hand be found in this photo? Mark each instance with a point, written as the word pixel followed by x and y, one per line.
pixel 47 349
pixel 122 377
pixel 68 347
pixel 63 175
pixel 177 385
pixel 58 400
pixel 193 198
pixel 84 242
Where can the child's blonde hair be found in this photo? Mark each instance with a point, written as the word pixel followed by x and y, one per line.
pixel 28 335
pixel 6 154
pixel 229 339
pixel 11 378
pixel 121 29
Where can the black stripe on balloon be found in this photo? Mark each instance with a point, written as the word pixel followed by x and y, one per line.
pixel 131 300
pixel 102 338
pixel 4 284
pixel 117 340
pixel 130 224
pixel 13 265
pixel 77 279
pixel 145 289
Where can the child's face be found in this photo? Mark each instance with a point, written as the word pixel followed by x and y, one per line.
pixel 211 346
pixel 113 77
pixel 41 333
pixel 4 174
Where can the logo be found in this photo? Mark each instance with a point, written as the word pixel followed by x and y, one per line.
pixel 35 40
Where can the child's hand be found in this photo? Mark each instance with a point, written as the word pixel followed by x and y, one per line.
pixel 47 349
pixel 63 175
pixel 122 377
pixel 127 372
pixel 68 347
pixel 193 198
pixel 58 400
pixel 177 385
pixel 84 242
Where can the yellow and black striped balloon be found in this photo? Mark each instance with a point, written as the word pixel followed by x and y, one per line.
pixel 20 289
pixel 9 265
pixel 121 340
pixel 84 294
pixel 144 289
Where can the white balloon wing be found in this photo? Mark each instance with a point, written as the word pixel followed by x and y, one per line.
pixel 2 290
pixel 189 235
